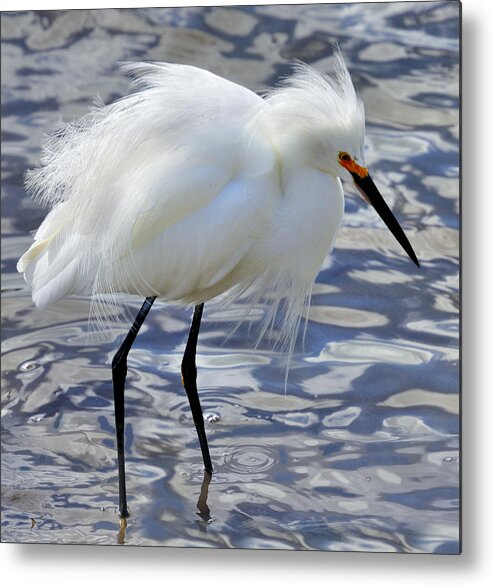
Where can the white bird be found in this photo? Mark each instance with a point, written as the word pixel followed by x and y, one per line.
pixel 192 187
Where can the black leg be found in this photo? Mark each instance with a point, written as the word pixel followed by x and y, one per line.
pixel 119 371
pixel 189 377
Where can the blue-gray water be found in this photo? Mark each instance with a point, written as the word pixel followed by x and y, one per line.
pixel 362 451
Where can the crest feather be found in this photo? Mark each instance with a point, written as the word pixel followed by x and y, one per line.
pixel 313 97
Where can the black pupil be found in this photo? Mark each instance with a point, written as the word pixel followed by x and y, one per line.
pixel 345 157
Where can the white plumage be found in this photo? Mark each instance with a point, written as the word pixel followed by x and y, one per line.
pixel 193 186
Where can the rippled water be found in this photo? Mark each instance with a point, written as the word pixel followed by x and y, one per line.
pixel 361 452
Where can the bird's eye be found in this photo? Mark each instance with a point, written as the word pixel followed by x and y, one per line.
pixel 344 157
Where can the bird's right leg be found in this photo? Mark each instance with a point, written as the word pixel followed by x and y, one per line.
pixel 189 378
pixel 119 371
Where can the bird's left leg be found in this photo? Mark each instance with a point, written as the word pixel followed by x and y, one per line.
pixel 119 371
pixel 189 378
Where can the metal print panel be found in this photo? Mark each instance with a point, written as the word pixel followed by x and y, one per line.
pixel 339 435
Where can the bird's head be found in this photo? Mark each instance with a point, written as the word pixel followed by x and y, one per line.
pixel 319 120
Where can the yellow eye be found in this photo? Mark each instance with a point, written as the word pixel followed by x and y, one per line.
pixel 344 157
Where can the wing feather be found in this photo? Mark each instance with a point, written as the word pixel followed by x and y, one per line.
pixel 123 181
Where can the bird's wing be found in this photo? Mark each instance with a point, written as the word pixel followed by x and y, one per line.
pixel 127 172
pixel 193 257
pixel 180 115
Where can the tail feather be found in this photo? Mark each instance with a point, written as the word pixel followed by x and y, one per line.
pixel 57 263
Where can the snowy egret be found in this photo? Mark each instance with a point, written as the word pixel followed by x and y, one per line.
pixel 192 187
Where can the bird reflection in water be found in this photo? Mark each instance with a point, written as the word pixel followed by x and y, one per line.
pixel 204 511
pixel 122 531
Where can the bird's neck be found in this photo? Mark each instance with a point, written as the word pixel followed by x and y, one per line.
pixel 294 157
pixel 294 148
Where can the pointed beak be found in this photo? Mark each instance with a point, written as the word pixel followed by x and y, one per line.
pixel 370 193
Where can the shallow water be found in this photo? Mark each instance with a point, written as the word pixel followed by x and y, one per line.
pixel 362 451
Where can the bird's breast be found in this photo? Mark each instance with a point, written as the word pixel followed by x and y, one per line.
pixel 305 223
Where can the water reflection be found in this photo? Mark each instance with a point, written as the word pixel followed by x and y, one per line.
pixel 204 511
pixel 361 451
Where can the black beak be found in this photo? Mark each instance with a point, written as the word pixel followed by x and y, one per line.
pixel 369 191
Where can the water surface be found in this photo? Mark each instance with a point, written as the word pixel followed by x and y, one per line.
pixel 361 452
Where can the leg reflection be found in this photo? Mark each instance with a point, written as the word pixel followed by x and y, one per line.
pixel 202 506
pixel 122 530
pixel 204 511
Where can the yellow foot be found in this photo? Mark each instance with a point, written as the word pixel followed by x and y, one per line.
pixel 120 539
